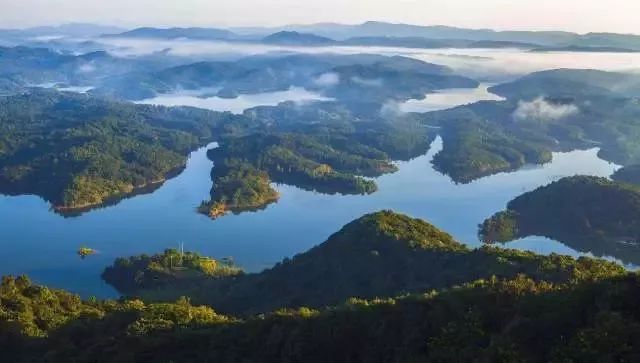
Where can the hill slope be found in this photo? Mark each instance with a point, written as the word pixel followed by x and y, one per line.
pixel 588 213
pixel 380 254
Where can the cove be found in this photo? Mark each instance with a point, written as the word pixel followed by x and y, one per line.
pixel 43 245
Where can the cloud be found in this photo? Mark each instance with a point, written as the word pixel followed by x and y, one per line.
pixel 327 80
pixel 542 110
pixel 86 68
pixel 391 109
pixel 367 82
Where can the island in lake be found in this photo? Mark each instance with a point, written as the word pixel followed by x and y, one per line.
pixel 386 285
pixel 379 254
pixel 589 214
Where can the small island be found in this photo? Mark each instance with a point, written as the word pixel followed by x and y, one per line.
pixel 379 254
pixel 166 269
pixel 590 214
pixel 86 251
pixel 386 279
pixel 339 157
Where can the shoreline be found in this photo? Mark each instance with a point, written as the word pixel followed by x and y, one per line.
pixel 145 188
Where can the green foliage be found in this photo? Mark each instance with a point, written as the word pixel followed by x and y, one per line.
pixel 323 148
pixel 455 304
pixel 93 151
pixel 380 254
pixel 169 268
pixel 475 148
pixel 495 136
pixel 503 320
pixel 588 213
pixel 502 227
pixel 239 187
pixel 85 251
pixel 89 150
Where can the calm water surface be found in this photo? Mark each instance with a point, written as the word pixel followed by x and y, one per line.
pixel 42 244
pixel 445 99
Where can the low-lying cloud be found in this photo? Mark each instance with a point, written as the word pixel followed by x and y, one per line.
pixel 542 110
pixel 86 68
pixel 327 80
pixel 391 109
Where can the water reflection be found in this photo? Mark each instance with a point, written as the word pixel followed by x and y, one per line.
pixel 44 245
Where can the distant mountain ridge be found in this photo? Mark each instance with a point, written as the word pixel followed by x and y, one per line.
pixel 377 29
pixel 175 33
pixel 296 38
pixel 403 35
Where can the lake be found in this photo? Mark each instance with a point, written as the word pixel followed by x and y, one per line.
pixel 445 99
pixel 43 245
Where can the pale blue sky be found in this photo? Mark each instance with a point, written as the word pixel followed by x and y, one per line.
pixel 573 15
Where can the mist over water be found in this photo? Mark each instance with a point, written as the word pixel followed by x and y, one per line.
pixel 489 65
pixel 235 105
pixel 301 219
pixel 448 98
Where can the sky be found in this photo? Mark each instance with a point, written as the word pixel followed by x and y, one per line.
pixel 573 15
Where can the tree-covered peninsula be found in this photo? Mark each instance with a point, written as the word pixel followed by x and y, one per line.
pixel 545 112
pixel 380 254
pixel 76 151
pixel 322 147
pixel 172 267
pixel 589 214
pixel 385 288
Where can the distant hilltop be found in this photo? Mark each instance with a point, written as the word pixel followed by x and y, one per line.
pixel 390 34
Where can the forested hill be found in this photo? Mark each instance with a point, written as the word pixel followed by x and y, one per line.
pixel 380 254
pixel 324 147
pixel 589 214
pixel 507 306
pixel 557 110
pixel 77 151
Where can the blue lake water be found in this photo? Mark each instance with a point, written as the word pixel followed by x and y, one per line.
pixel 37 242
pixel 42 244
pixel 445 99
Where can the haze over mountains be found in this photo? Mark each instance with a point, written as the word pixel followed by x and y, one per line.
pixel 368 33
pixel 252 145
pixel 346 33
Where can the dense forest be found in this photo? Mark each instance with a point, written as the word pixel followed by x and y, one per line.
pixel 347 78
pixel 590 214
pixel 522 307
pixel 91 151
pixel 321 147
pixel 385 287
pixel 170 267
pixel 495 136
pixel 381 254
pixel 581 109
pixel 77 151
